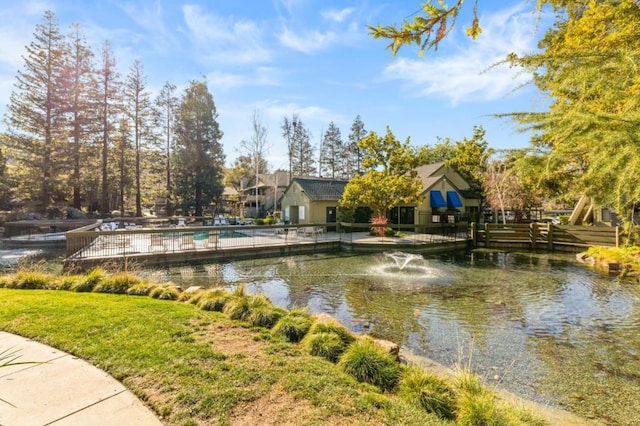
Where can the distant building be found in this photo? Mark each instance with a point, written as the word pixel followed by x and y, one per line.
pixel 256 200
pixel 312 200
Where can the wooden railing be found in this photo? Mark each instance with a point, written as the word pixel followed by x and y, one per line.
pixel 547 235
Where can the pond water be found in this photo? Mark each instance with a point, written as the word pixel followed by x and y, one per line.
pixel 539 325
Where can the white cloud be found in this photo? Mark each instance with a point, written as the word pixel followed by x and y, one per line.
pixel 260 76
pixel 225 39
pixel 465 76
pixel 308 42
pixel 337 15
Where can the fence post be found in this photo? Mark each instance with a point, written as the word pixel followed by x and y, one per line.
pixel 550 236
pixel 474 235
pixel 533 234
pixel 487 236
pixel 617 236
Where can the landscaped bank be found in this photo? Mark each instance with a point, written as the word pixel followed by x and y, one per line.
pixel 243 365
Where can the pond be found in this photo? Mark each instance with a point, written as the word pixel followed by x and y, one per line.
pixel 539 325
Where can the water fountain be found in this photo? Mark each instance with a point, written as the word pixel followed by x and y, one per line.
pixel 402 259
pixel 408 271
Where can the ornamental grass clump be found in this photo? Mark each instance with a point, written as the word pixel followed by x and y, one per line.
pixel 89 281
pixel 428 392
pixel 141 289
pixel 331 325
pixel 476 405
pixel 165 292
pixel 294 325
pixel 237 308
pixel 28 280
pixel 326 345
pixel 327 338
pixel 263 313
pixel 117 284
pixel 370 364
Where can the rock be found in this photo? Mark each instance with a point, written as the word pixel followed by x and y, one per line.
pixel 390 347
pixel 193 289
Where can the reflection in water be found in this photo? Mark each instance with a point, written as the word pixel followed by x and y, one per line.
pixel 536 324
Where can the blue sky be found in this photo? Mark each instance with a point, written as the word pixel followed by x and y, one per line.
pixel 313 58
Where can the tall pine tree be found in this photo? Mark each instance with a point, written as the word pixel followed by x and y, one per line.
pixel 79 90
pixel 166 109
pixel 199 156
pixel 353 157
pixel 332 153
pixel 109 105
pixel 35 117
pixel 138 109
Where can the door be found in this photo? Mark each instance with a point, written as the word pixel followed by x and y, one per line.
pixel 331 218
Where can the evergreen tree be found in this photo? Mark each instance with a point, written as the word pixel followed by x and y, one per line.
pixel 199 156
pixel 139 111
pixel 302 151
pixel 288 132
pixel 79 90
pixel 109 106
pixel 35 117
pixel 332 153
pixel 353 157
pixel 123 150
pixel 166 110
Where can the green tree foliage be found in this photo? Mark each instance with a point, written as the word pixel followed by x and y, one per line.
pixel 123 152
pixel 36 139
pixel 390 179
pixel 443 150
pixel 5 187
pixel 199 156
pixel 353 157
pixel 589 135
pixel 303 162
pixel 139 110
pixel 165 114
pixel 79 92
pixel 427 28
pixel 288 129
pixel 109 106
pixel 332 153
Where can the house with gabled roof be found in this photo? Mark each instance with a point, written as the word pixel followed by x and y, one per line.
pixel 446 196
pixel 312 200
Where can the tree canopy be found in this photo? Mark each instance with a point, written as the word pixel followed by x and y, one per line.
pixel 389 180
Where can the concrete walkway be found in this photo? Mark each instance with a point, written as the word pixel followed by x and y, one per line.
pixel 62 390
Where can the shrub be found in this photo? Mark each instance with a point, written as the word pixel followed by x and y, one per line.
pixel 266 316
pixel 118 283
pixel 333 327
pixel 69 281
pixel 293 326
pixel 478 409
pixel 370 364
pixel 165 292
pixel 141 289
pixel 326 345
pixel 237 308
pixel 89 282
pixel 428 392
pixel 29 280
pixel 476 405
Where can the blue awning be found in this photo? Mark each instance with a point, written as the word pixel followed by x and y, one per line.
pixel 453 200
pixel 437 200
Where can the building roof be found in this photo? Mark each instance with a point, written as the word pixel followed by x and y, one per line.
pixel 322 189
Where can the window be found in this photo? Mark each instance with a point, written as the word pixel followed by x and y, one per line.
pixel 301 213
pixel 435 218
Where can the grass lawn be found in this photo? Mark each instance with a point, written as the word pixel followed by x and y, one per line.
pixel 195 367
